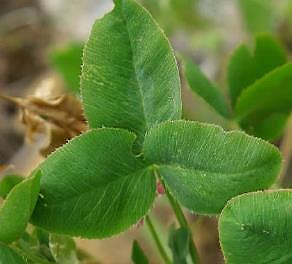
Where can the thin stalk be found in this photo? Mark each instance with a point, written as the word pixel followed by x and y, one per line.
pixel 31 256
pixel 286 150
pixel 182 222
pixel 157 241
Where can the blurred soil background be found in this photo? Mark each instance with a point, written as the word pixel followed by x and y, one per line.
pixel 205 30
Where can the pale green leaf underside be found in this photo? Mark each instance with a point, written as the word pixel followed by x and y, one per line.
pixel 129 78
pixel 9 256
pixel 17 208
pixel 271 94
pixel 203 166
pixel 199 83
pixel 94 186
pixel 256 228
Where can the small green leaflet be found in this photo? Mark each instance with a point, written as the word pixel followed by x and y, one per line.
pixel 17 208
pixel 178 242
pixel 271 94
pixel 204 166
pixel 94 186
pixel 130 77
pixel 256 228
pixel 245 68
pixel 7 183
pixel 138 256
pixel 204 88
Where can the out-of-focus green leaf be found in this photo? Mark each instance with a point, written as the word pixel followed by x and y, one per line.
pixel 256 228
pixel 178 242
pixel 258 15
pixel 63 249
pixel 204 166
pixel 9 256
pixel 269 95
pixel 17 208
pixel 7 183
pixel 67 62
pixel 130 77
pixel 199 83
pixel 244 68
pixel 269 128
pixel 94 186
pixel 185 12
pixel 138 256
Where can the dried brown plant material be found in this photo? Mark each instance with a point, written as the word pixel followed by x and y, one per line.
pixel 60 118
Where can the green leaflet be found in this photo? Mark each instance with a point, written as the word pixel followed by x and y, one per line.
pixel 67 62
pixel 17 208
pixel 271 94
pixel 94 186
pixel 129 78
pixel 7 183
pixel 269 128
pixel 244 68
pixel 9 256
pixel 138 256
pixel 203 166
pixel 256 228
pixel 199 83
pixel 178 242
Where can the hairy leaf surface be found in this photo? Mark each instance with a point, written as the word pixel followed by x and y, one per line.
pixel 130 78
pixel 203 166
pixel 256 228
pixel 17 208
pixel 94 186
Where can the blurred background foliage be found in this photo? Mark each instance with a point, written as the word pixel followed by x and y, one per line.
pixel 41 44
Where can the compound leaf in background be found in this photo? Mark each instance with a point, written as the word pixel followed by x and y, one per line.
pixel 9 256
pixel 138 256
pixel 94 186
pixel 178 242
pixel 256 228
pixel 67 62
pixel 7 183
pixel 130 77
pixel 17 208
pixel 199 83
pixel 258 15
pixel 63 249
pixel 244 68
pixel 269 95
pixel 203 166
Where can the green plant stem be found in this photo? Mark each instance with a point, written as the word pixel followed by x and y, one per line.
pixel 157 241
pixel 31 256
pixel 182 221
